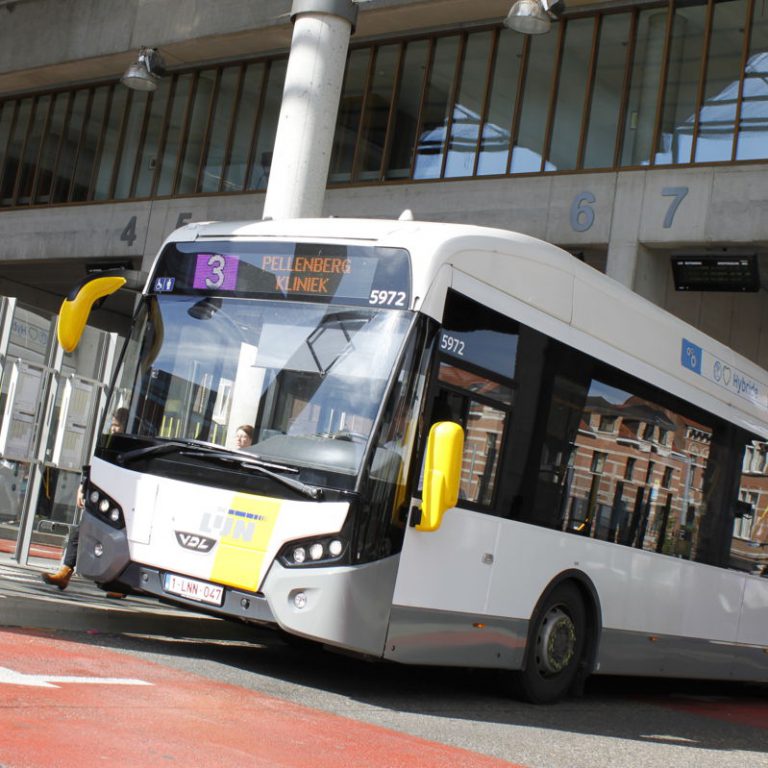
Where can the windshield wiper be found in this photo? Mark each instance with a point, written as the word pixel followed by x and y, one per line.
pixel 200 449
pixel 310 491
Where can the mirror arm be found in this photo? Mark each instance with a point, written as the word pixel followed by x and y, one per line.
pixel 76 307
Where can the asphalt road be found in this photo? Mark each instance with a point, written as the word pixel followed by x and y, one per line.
pixel 618 722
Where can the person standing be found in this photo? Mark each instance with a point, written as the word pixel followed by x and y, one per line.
pixel 61 578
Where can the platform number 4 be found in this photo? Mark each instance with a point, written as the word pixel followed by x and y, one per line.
pixel 128 235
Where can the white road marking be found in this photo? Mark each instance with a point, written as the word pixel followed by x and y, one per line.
pixel 11 677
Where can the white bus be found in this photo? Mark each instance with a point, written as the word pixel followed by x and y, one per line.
pixel 466 448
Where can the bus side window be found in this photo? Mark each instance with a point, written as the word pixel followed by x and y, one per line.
pixel 476 389
pixel 483 426
pixel 749 534
pixel 389 471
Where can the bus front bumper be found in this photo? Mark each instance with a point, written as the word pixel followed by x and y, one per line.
pixel 236 604
pixel 103 556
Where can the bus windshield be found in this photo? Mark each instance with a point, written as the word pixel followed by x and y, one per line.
pixel 292 382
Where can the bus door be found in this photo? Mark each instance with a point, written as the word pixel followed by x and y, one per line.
pixel 444 575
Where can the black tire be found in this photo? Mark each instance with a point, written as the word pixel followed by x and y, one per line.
pixel 115 586
pixel 299 642
pixel 556 647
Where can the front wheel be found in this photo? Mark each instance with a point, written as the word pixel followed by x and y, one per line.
pixel 555 647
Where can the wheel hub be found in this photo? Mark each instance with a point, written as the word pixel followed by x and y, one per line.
pixel 556 642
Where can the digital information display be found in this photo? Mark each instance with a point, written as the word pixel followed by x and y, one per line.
pixel 307 271
pixel 716 273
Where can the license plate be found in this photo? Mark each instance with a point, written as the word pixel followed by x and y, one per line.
pixel 201 591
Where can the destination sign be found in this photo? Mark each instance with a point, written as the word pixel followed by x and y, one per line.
pixel 306 271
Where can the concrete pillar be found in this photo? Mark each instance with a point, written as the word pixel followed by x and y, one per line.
pixel 307 121
pixel 626 217
pixel 621 263
pixel 652 270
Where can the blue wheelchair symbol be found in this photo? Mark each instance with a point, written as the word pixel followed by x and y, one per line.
pixel 691 356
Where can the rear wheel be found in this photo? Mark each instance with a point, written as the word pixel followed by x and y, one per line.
pixel 555 647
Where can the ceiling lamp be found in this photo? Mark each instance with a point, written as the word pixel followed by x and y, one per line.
pixel 533 17
pixel 145 73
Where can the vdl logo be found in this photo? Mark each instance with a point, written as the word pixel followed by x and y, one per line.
pixel 195 542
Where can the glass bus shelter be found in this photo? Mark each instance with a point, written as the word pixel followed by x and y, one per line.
pixel 50 404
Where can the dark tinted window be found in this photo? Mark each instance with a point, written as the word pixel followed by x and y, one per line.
pixel 477 389
pixel 558 439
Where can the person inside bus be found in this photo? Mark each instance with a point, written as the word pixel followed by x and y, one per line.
pixel 62 577
pixel 119 421
pixel 243 436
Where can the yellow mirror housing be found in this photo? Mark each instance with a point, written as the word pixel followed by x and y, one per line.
pixel 442 473
pixel 76 308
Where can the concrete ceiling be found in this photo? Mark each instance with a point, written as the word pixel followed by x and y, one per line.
pixel 377 18
pixel 43 286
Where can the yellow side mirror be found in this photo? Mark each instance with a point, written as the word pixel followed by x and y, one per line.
pixel 76 308
pixel 442 473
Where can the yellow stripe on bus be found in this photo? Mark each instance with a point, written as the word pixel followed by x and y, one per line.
pixel 240 552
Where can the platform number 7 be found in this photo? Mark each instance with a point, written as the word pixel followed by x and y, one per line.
pixel 677 194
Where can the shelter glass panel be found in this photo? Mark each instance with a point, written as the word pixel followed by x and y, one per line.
pixel 717 115
pixel 502 102
pixel 686 48
pixel 111 143
pixel 640 117
pixel 149 151
pixel 137 107
pixel 221 119
pixel 605 109
pixel 574 78
pixel 265 141
pixel 174 134
pixel 7 110
pixel 246 115
pixel 377 107
pixel 90 146
pixel 468 109
pixel 49 150
pixel 197 132
pixel 436 110
pixel 529 143
pixel 406 118
pixel 38 122
pixel 348 122
pixel 753 122
pixel 69 147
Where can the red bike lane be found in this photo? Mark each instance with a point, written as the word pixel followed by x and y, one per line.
pixel 65 703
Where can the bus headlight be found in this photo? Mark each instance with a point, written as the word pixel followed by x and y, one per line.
pixel 324 550
pixel 104 507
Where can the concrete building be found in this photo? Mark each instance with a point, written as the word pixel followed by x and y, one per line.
pixel 633 134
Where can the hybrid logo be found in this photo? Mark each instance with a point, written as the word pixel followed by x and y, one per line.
pixel 195 542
